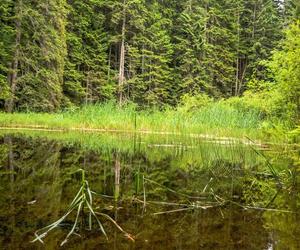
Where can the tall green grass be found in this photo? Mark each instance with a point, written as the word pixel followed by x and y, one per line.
pixel 216 119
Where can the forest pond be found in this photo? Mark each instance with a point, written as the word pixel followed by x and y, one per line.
pixel 166 193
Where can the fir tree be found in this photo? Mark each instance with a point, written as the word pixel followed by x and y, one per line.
pixel 190 48
pixel 37 65
pixel 86 70
pixel 261 30
pixel 6 47
pixel 158 50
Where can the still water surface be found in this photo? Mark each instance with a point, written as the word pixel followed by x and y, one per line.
pixel 168 193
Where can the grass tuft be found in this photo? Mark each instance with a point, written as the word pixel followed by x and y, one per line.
pixel 83 199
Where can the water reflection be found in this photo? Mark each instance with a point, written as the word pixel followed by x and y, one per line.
pixel 37 184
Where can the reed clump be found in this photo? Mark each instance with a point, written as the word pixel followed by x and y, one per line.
pixel 216 118
pixel 82 204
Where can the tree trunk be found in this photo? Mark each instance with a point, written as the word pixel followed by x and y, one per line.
pixel 122 57
pixel 9 105
pixel 87 91
pixel 143 60
pixel 254 20
pixel 205 37
pixel 237 76
pixel 109 64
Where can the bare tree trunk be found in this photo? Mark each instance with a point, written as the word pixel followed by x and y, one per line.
pixel 205 38
pixel 109 64
pixel 122 57
pixel 254 20
pixel 143 60
pixel 9 104
pixel 242 77
pixel 87 87
pixel 237 80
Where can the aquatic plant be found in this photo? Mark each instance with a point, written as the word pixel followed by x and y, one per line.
pixel 83 199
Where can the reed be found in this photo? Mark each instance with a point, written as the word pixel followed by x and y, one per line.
pixel 217 119
pixel 83 201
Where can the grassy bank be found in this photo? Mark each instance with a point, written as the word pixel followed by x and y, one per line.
pixel 216 119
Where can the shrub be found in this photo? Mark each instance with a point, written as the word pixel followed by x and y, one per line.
pixel 191 103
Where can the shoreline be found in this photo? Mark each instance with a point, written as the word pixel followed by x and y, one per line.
pixel 206 137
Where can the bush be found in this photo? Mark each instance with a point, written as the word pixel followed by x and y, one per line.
pixel 266 103
pixel 190 104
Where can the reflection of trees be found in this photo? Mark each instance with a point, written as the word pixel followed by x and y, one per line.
pixel 42 170
pixel 198 230
pixel 285 227
pixel 34 187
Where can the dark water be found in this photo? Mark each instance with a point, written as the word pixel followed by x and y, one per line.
pixel 251 196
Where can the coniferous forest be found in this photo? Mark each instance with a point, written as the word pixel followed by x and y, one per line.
pixel 149 124
pixel 60 54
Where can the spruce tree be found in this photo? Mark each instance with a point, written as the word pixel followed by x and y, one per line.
pixel 142 52
pixel 6 47
pixel 37 65
pixel 261 30
pixel 127 25
pixel 86 72
pixel 206 47
pixel 190 48
pixel 291 11
pixel 158 72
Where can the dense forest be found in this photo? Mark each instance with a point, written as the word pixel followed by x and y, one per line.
pixel 150 124
pixel 56 54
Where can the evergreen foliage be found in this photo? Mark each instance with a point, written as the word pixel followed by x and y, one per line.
pixel 85 78
pixel 36 54
pixel 6 47
pixel 59 53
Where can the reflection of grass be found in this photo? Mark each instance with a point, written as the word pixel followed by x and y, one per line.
pixel 189 152
pixel 83 198
pixel 214 119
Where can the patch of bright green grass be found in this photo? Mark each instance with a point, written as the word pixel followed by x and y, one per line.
pixel 216 119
